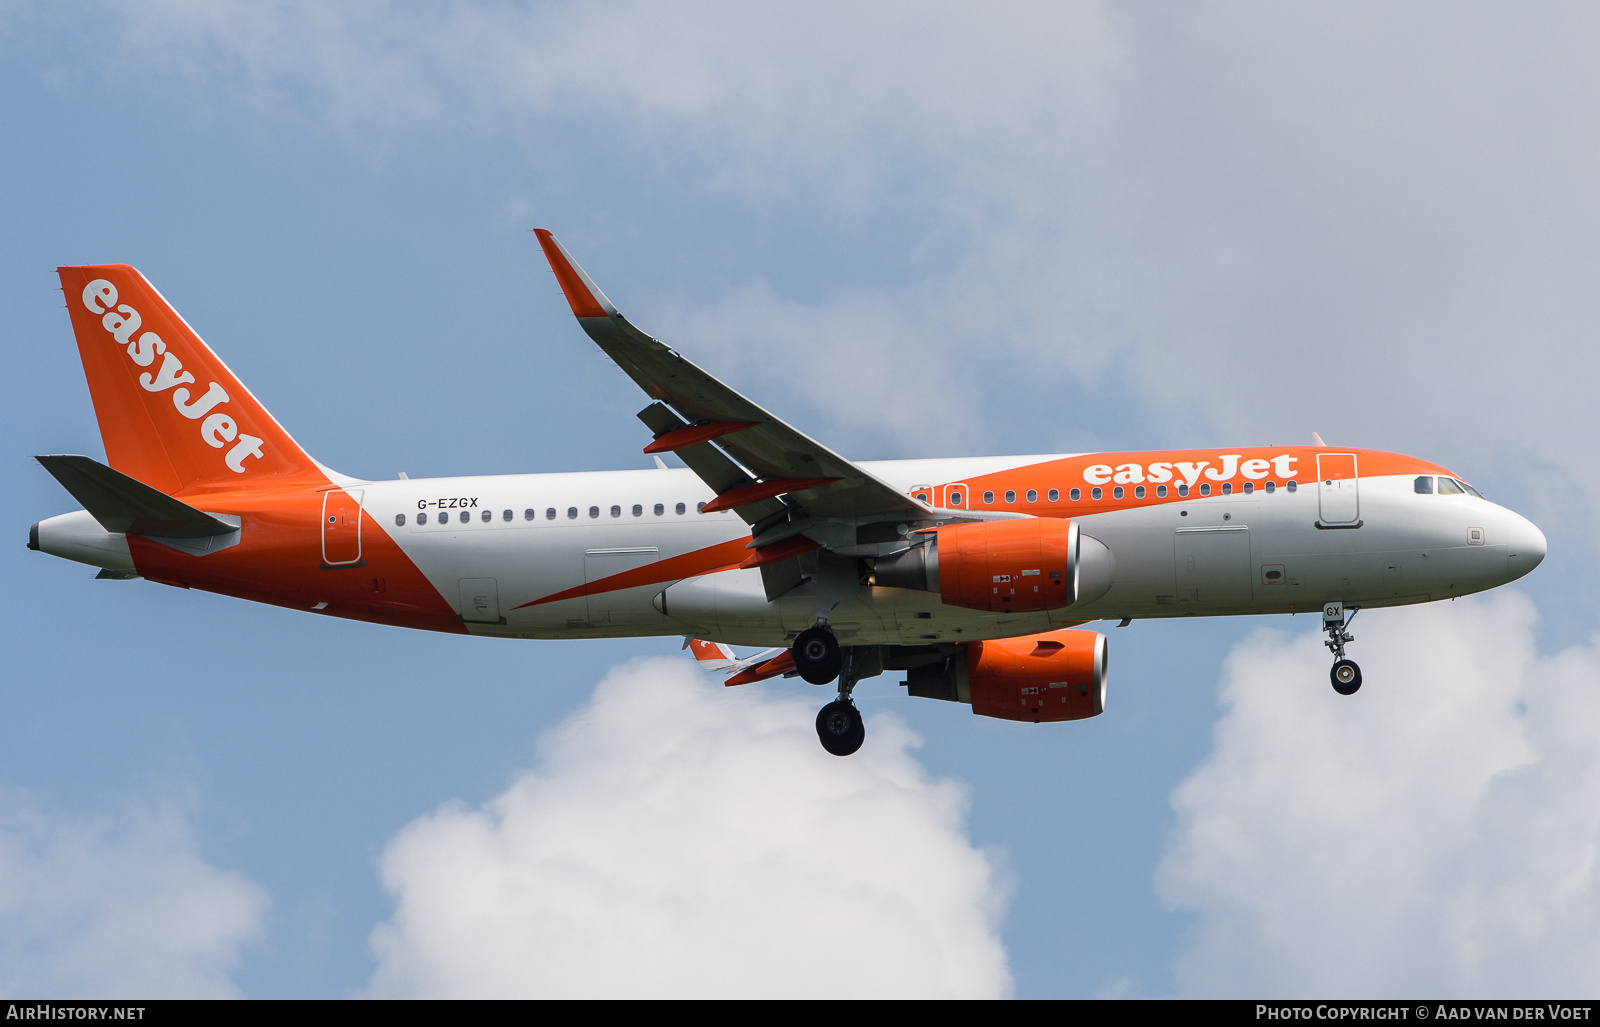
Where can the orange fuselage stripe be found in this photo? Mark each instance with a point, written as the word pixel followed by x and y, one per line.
pixel 723 556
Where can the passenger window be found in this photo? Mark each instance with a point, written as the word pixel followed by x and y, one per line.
pixel 1076 494
pixel 922 497
pixel 1054 495
pixel 1227 488
pixel 1290 485
pixel 488 515
pixel 616 511
pixel 660 509
pixel 572 513
pixel 594 511
pixel 422 518
pixel 1138 492
pixel 1116 493
pixel 1096 492
pixel 1011 497
pixel 1449 487
pixel 1249 487
pixel 638 511
pixel 1423 485
pixel 465 517
pixel 1205 488
pixel 988 497
pixel 1161 492
pixel 399 520
pixel 506 516
pixel 955 499
pixel 699 508
pixel 1272 487
pixel 530 514
pixel 680 508
pixel 550 514
pixel 1183 491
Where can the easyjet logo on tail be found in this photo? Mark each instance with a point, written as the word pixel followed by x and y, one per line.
pixel 217 427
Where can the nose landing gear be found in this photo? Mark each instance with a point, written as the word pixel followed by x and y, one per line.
pixel 1345 675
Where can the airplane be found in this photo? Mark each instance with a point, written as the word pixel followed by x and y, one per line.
pixel 970 575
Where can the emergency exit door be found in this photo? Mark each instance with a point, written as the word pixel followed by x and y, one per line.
pixel 341 528
pixel 1338 497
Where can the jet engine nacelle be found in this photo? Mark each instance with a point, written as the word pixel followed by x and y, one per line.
pixel 1023 565
pixel 1058 675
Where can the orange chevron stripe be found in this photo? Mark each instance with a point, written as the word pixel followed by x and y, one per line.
pixel 724 556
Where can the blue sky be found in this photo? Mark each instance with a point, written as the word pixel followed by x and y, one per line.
pixel 911 231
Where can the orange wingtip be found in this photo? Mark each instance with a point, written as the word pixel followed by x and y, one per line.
pixel 709 652
pixel 578 295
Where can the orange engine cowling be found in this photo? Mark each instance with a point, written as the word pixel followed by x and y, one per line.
pixel 1058 675
pixel 1022 565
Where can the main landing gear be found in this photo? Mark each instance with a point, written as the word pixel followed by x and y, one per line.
pixel 819 658
pixel 839 727
pixel 817 655
pixel 1345 675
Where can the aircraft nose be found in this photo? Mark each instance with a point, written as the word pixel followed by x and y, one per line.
pixel 1525 547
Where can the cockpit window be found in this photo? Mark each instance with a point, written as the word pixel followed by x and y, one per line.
pixel 1470 490
pixel 1425 485
pixel 1449 487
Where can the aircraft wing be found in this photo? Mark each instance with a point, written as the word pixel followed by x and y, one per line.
pixel 719 659
pixel 695 416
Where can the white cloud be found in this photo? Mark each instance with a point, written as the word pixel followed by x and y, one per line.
pixel 1438 833
pixel 92 906
pixel 681 839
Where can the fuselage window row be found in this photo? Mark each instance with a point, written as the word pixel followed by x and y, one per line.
pixel 1141 492
pixel 550 514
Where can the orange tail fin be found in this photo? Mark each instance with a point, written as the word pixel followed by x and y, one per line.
pixel 171 414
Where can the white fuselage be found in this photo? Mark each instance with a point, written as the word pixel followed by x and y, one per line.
pixel 1218 555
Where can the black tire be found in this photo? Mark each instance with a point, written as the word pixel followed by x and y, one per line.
pixel 1346 677
pixel 817 656
pixel 839 727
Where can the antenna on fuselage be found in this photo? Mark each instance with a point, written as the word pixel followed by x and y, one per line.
pixel 1316 440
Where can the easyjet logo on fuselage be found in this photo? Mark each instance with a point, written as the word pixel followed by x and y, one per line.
pixel 217 426
pixel 1191 471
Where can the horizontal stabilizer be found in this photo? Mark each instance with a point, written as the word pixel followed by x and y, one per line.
pixel 127 506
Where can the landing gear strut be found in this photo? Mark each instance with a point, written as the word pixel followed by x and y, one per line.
pixel 1345 675
pixel 839 725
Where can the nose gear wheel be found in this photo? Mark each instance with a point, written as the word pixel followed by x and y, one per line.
pixel 1346 677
